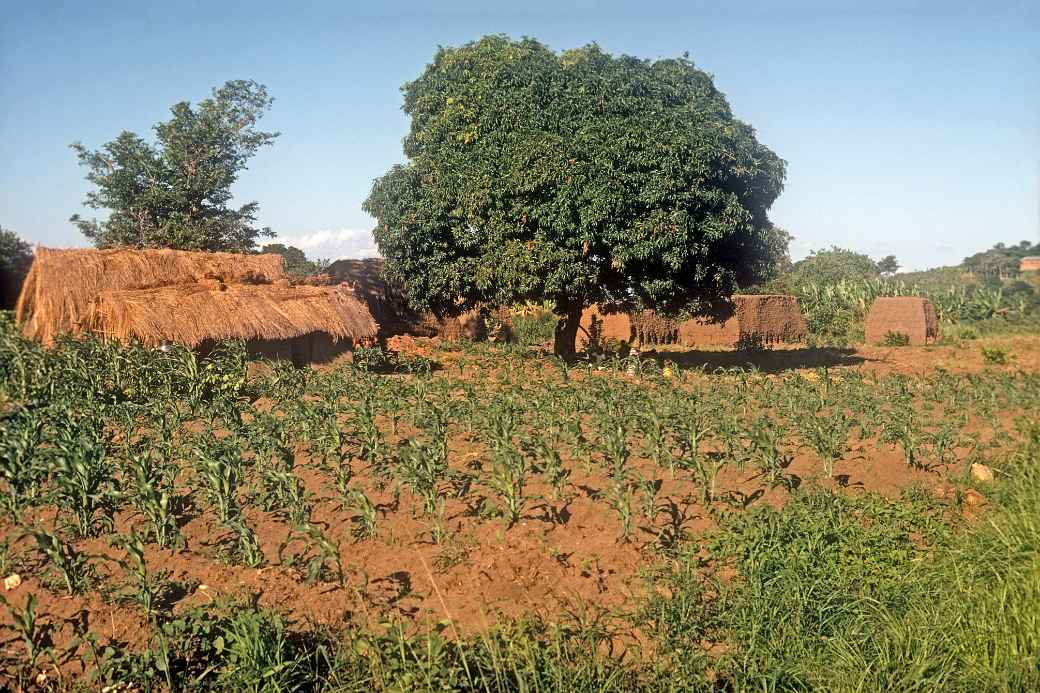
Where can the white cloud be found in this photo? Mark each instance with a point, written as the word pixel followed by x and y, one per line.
pixel 332 244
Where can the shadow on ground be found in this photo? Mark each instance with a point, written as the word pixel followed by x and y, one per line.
pixel 766 360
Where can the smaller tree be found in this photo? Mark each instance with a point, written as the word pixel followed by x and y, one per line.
pixel 15 258
pixel 296 263
pixel 176 193
pixel 832 266
pixel 888 265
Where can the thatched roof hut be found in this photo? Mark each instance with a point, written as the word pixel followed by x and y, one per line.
pixel 155 296
pixel 384 299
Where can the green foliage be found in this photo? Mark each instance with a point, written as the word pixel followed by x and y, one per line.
pixel 967 620
pixel 888 265
pixel 176 193
pixel 296 263
pixel 995 355
pixel 833 266
pixel 835 312
pixel 1000 261
pixel 34 635
pixel 896 339
pixel 573 177
pixel 533 328
pixel 809 574
pixel 15 258
pixel 73 566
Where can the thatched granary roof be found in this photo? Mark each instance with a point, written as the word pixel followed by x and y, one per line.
pixel 385 299
pixel 178 296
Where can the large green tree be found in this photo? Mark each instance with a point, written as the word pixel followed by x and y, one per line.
pixel 15 258
pixel 176 192
pixel 574 177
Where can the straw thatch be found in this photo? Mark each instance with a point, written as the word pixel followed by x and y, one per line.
pixel 156 296
pixel 191 314
pixel 62 283
pixel 385 299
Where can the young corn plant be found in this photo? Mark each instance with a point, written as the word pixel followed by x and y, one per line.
pixel 21 466
pixel 944 440
pixel 284 494
pixel 549 463
pixel 335 448
pixel 371 447
pixel 767 447
pixel 146 587
pixel 704 466
pixel 35 636
pixel 366 514
pixel 901 429
pixel 152 496
pixel 615 449
pixel 245 548
pixel 828 435
pixel 82 476
pixel 508 479
pixel 658 444
pixel 73 566
pixel 325 562
pixel 420 467
pixel 649 487
pixel 219 465
pixel 621 497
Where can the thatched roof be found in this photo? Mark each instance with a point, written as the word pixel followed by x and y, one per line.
pixel 191 314
pixel 179 296
pixel 385 299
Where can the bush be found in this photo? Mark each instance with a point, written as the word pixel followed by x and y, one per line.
pixel 15 258
pixel 896 339
pixel 997 356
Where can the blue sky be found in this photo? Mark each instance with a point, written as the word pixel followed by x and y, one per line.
pixel 910 128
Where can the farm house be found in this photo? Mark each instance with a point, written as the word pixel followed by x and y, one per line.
pixel 189 298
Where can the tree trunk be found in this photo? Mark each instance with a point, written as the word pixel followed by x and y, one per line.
pixel 567 332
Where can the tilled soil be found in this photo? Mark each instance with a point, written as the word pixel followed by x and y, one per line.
pixel 565 555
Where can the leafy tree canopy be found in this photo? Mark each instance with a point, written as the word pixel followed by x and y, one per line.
pixel 574 177
pixel 15 258
pixel 176 192
pixel 296 263
pixel 888 265
pixel 1000 260
pixel 832 266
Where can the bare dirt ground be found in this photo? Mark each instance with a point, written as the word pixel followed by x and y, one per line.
pixel 965 356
